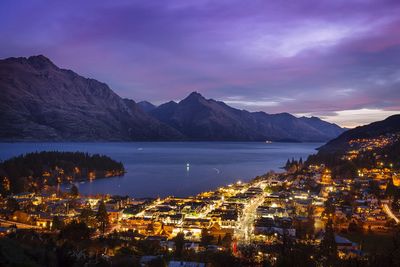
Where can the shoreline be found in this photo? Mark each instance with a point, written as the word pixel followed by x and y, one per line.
pixel 160 169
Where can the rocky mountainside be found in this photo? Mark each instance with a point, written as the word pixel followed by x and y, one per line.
pixel 329 129
pixel 40 101
pixel 199 118
pixel 146 106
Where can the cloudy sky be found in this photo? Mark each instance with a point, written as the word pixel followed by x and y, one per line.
pixel 339 60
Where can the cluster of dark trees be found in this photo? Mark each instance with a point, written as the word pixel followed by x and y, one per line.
pixel 290 253
pixel 341 168
pixel 293 165
pixel 74 245
pixel 25 172
pixel 88 219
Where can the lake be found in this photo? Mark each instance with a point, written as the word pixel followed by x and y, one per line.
pixel 175 168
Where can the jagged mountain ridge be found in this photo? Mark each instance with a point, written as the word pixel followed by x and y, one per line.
pixel 146 106
pixel 40 101
pixel 199 118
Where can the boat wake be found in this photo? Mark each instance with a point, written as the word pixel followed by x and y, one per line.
pixel 217 170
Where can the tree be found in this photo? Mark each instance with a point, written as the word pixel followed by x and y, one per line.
pixel 76 231
pixel 12 204
pixel 88 216
pixel 157 262
pixel 57 224
pixel 329 210
pixel 395 253
pixel 102 217
pixel 374 188
pixel 223 259
pixel 74 191
pixel 299 255
pixel 150 228
pixel 287 165
pixel 248 253
pixel 206 238
pixel 310 226
pixel 328 247
pixel 354 227
pixel 179 240
pixel 227 240
pixel 395 202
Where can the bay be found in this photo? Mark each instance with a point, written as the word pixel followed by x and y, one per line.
pixel 175 168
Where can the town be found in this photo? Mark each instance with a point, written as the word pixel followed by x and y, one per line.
pixel 249 221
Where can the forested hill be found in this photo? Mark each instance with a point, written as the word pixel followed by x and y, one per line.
pixel 376 129
pixel 33 171
pixel 376 145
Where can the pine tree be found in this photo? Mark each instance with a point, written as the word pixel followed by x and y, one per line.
pixel 206 238
pixel 12 204
pixel 329 210
pixel 74 191
pixel 219 242
pixel 75 231
pixel 227 240
pixel 57 224
pixel 395 252
pixel 102 217
pixel 328 246
pixel 179 240
pixel 88 216
pixel 287 166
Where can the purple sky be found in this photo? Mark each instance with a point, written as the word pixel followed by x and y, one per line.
pixel 339 60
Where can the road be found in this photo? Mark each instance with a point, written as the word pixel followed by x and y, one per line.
pixel 151 206
pixel 5 223
pixel 389 213
pixel 245 227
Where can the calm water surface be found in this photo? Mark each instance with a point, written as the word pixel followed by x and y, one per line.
pixel 160 168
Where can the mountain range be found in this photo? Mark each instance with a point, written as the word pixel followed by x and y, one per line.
pixel 40 101
pixel 206 119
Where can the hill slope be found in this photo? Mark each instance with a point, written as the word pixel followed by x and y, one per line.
pixel 40 101
pixel 340 144
pixel 376 145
